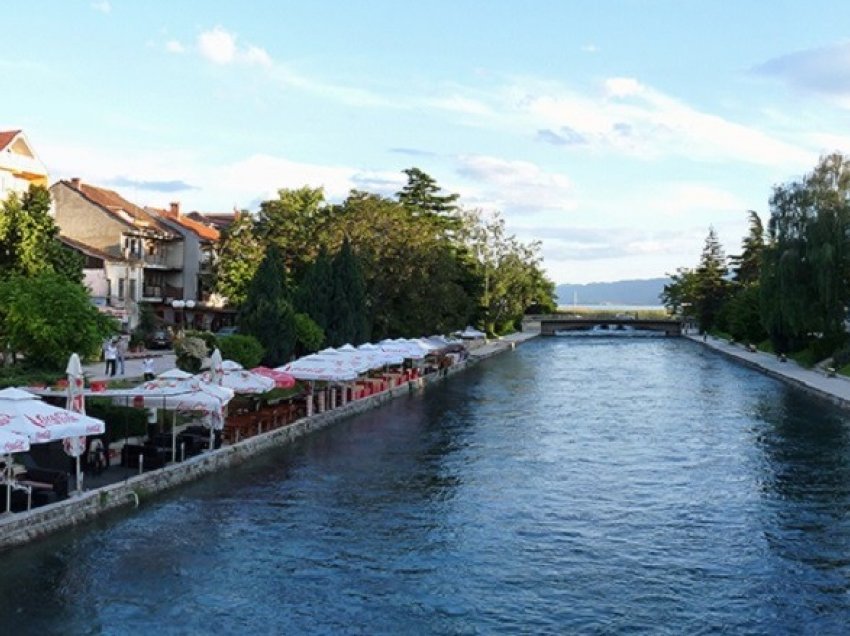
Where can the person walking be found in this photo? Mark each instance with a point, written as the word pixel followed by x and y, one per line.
pixel 111 354
pixel 121 352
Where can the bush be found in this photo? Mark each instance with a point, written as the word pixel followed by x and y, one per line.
pixel 208 337
pixel 246 350
pixel 841 358
pixel 190 353
pixel 22 375
pixel 121 421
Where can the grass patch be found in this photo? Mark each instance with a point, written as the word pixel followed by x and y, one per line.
pixel 806 358
pixel 845 370
pixel 766 346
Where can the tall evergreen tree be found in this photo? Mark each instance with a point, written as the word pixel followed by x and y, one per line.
pixel 422 197
pixel 747 265
pixel 711 284
pixel 267 313
pixel 347 322
pixel 314 296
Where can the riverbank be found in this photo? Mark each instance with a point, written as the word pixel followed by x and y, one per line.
pixel 24 527
pixel 834 389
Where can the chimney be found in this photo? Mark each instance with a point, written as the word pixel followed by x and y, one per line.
pixel 175 209
pixel 75 183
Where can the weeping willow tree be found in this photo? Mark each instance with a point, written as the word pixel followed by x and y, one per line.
pixel 805 279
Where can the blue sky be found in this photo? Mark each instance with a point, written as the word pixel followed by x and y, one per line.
pixel 614 132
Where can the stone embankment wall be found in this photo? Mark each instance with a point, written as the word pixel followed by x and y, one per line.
pixel 23 527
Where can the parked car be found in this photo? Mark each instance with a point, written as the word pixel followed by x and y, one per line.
pixel 227 331
pixel 159 339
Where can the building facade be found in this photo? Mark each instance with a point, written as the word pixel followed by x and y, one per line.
pixel 20 167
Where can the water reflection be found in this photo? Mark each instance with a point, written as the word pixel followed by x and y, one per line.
pixel 570 487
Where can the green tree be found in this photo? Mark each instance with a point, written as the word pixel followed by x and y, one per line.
pixel 309 337
pixel 347 320
pixel 679 296
pixel 291 223
pixel 711 284
pixel 314 295
pixel 806 264
pixel 29 238
pixel 45 318
pixel 240 254
pixel 747 265
pixel 267 313
pixel 246 350
pixel 423 197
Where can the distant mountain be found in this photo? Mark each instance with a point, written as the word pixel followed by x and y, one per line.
pixel 621 292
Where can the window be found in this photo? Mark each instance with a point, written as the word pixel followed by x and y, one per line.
pixel 132 289
pixel 120 289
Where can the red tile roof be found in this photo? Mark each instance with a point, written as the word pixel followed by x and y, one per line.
pixel 203 231
pixel 7 136
pixel 115 203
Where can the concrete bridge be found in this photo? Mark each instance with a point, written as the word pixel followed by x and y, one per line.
pixel 551 324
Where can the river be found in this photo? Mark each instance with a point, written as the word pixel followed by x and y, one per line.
pixel 574 485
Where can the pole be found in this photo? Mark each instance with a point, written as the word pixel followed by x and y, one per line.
pixel 79 477
pixel 174 436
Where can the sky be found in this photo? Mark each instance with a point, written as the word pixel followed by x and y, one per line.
pixel 614 132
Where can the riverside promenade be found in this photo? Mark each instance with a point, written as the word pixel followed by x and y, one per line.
pixel 835 389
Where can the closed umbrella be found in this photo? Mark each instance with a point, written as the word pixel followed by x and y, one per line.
pixel 75 446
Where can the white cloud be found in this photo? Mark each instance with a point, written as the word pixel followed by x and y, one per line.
pixel 221 47
pixel 173 46
pixel 590 48
pixel 103 6
pixel 256 55
pixel 518 186
pixel 631 118
pixel 217 45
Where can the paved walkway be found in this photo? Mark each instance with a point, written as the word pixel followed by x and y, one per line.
pixel 505 342
pixel 835 389
pixel 162 361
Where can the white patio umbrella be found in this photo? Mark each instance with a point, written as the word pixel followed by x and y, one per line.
pixel 182 392
pixel 24 413
pixel 75 446
pixel 233 376
pixel 320 369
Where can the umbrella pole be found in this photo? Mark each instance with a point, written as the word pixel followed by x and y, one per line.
pixel 174 437
pixel 79 477
pixel 8 471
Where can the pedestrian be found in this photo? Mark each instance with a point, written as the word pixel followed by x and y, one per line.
pixel 147 368
pixel 111 354
pixel 121 352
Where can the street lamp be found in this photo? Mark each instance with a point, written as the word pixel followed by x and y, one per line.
pixel 178 306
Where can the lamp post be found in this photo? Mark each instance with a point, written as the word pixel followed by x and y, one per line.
pixel 183 309
pixel 178 306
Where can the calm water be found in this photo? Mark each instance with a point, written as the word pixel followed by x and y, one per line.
pixel 571 486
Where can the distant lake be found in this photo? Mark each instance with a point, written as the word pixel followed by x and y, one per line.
pixel 611 307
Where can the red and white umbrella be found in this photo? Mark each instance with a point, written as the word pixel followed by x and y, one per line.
pixel 281 380
pixel 24 413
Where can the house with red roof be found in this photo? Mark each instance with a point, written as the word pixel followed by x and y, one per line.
pixel 103 220
pixel 200 248
pixel 20 167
